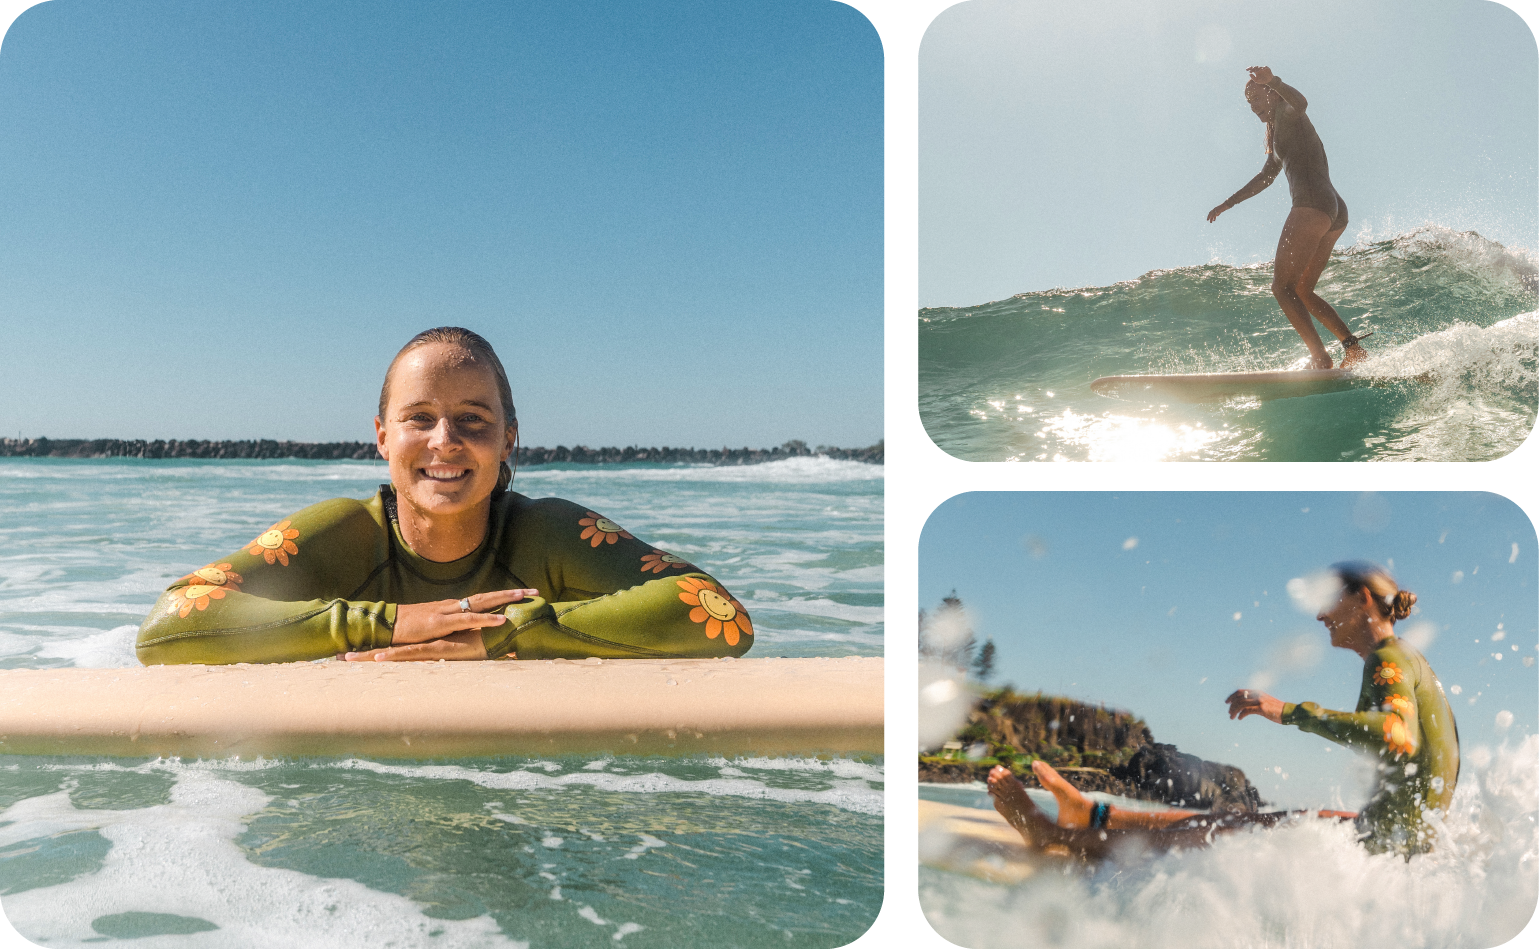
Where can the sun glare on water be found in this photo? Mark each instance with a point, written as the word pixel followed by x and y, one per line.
pixel 1124 438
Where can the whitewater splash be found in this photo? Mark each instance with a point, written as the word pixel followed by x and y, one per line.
pixel 1303 885
pixel 1455 355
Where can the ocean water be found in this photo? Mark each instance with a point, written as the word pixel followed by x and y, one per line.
pixel 565 851
pixel 1454 356
pixel 1306 885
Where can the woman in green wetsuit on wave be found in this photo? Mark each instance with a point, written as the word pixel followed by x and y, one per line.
pixel 444 562
pixel 1402 719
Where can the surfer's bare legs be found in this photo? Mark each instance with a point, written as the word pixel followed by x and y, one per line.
pixel 1297 249
pixel 1322 310
pixel 1011 800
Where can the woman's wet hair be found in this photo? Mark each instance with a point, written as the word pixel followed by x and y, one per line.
pixel 1254 89
pixel 1394 604
pixel 480 351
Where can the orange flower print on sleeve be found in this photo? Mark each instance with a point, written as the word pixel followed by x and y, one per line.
pixel 1400 705
pixel 721 614
pixel 1397 735
pixel 601 530
pixel 275 543
pixel 208 583
pixel 659 560
pixel 1387 674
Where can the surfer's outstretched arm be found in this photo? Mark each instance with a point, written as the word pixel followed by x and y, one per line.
pixel 1255 186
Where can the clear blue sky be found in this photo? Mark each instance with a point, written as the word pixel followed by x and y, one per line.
pixel 1078 144
pixel 221 220
pixel 1164 603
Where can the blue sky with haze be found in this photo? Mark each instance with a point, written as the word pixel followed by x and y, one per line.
pixel 222 220
pixel 1163 604
pixel 1079 144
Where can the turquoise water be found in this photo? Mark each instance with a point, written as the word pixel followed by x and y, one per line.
pixel 1455 351
pixel 485 852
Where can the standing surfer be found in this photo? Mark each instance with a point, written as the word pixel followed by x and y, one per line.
pixel 1318 218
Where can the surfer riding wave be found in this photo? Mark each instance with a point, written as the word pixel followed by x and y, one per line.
pixel 1402 718
pixel 1318 218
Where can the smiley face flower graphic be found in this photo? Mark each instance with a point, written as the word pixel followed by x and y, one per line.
pixel 601 530
pixel 1387 674
pixel 659 560
pixel 208 583
pixel 721 614
pixel 275 543
pixel 1396 735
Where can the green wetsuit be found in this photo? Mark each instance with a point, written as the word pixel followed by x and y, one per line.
pixel 1403 718
pixel 327 580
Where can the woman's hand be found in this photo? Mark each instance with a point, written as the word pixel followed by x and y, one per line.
pixel 1262 74
pixel 461 645
pixel 424 622
pixel 1250 702
pixel 1213 214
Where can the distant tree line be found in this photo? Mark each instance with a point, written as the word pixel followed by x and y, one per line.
pixel 945 636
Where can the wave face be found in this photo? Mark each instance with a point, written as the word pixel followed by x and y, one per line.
pixel 1456 335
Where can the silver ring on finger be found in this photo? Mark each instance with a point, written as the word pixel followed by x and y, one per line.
pixel 465 605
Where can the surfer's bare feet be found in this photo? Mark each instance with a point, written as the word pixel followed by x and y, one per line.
pixel 1073 807
pixel 1354 354
pixel 1322 361
pixel 1013 803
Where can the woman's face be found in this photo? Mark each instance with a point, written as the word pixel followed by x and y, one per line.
pixel 443 432
pixel 1263 102
pixel 1348 619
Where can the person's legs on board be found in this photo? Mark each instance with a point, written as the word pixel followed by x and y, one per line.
pixel 1297 250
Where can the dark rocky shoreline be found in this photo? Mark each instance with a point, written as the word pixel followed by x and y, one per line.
pixel 337 451
pixel 1094 748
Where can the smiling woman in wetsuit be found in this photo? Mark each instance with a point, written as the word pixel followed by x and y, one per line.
pixel 1402 719
pixel 1318 218
pixel 444 562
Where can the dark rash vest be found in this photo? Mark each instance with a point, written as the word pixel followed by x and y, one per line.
pixel 1403 719
pixel 328 579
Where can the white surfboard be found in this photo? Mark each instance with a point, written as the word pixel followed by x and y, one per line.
pixel 448 709
pixel 1220 386
pixel 975 842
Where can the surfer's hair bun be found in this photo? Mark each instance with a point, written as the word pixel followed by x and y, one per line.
pixel 1394 604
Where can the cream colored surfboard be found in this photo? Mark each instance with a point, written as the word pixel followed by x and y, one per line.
pixel 448 709
pixel 975 842
pixel 1220 386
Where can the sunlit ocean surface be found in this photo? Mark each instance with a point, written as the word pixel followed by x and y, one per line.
pixel 487 852
pixel 1454 355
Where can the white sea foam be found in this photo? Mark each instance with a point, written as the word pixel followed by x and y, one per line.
pixel 112 649
pixel 1304 885
pixel 814 470
pixel 856 796
pixel 841 767
pixel 182 859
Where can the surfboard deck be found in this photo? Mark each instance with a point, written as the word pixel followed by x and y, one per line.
pixel 448 709
pixel 978 843
pixel 1219 386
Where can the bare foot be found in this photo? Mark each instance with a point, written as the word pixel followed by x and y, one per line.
pixel 1322 361
pixel 1015 805
pixel 1073 807
pixel 1353 355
